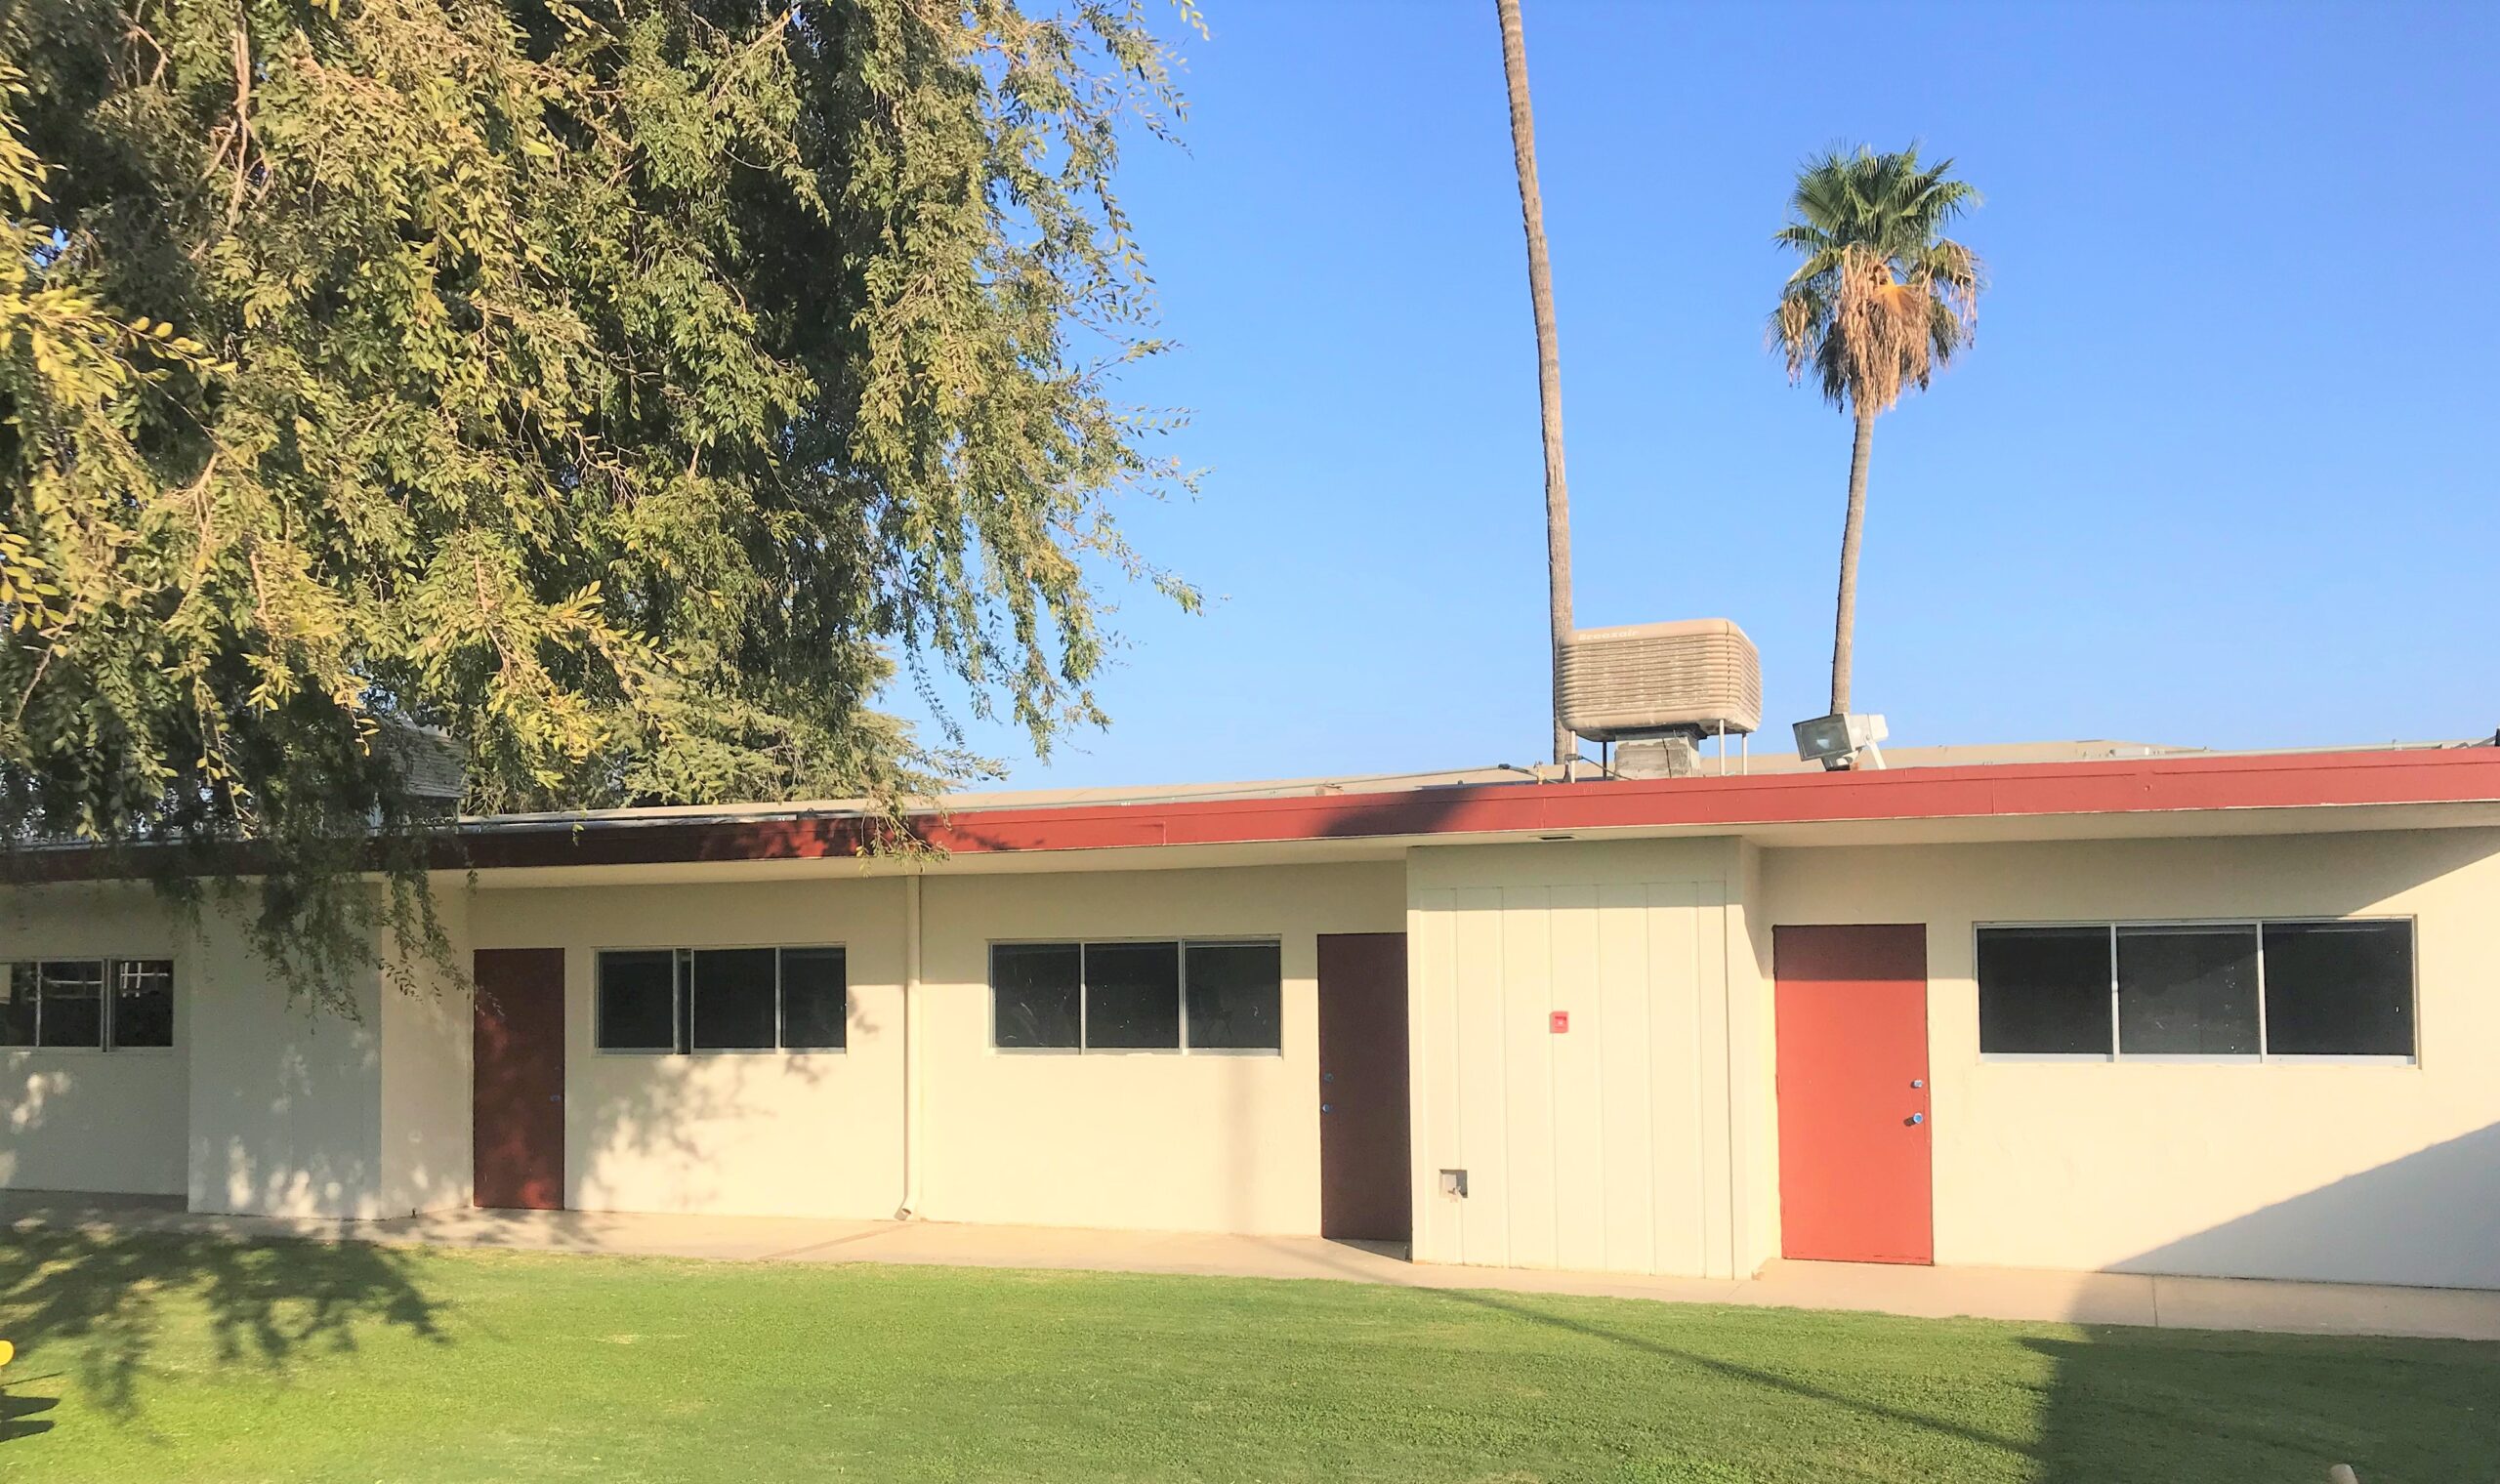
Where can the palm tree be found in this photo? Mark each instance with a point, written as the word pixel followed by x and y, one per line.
pixel 1880 304
pixel 1548 362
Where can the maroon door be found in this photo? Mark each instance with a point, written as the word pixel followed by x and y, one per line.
pixel 1363 1088
pixel 519 1112
pixel 1854 1180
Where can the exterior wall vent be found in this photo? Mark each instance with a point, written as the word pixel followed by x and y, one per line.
pixel 1694 679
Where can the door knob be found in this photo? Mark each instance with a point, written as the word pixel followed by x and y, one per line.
pixel 1327 1108
pixel 1916 1119
pixel 1918 1081
pixel 1327 1077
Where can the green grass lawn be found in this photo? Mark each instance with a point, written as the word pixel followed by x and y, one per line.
pixel 177 1358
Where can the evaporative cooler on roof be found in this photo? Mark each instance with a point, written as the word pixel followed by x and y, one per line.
pixel 1641 682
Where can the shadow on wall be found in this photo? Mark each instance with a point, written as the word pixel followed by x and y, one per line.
pixel 2394 1410
pixel 668 1133
pixel 2429 1220
pixel 94 1304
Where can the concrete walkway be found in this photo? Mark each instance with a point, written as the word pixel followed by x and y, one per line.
pixel 1986 1293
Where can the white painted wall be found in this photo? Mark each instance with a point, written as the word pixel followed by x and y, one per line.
pixel 427 1032
pixel 738 1133
pixel 1154 1140
pixel 89 1120
pixel 2342 1172
pixel 263 1105
pixel 1615 1146
pixel 285 1099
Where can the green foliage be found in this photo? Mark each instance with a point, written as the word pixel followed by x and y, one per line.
pixel 1883 299
pixel 623 388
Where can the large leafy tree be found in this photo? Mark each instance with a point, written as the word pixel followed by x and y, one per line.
pixel 1881 303
pixel 624 388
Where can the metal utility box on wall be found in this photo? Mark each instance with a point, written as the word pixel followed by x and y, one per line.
pixel 1700 676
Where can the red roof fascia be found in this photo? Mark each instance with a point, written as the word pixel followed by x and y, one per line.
pixel 2129 786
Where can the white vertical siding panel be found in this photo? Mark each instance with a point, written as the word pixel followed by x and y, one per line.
pixel 1676 1122
pixel 1624 1046
pixel 1431 1009
pixel 1605 1148
pixel 1483 1075
pixel 1528 996
pixel 1709 1046
pixel 1583 1156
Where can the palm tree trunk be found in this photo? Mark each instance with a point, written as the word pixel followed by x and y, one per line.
pixel 1844 623
pixel 1548 362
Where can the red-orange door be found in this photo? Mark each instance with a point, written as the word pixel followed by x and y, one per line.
pixel 1856 1178
pixel 518 1088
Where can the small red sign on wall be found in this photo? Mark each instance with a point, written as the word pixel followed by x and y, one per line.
pixel 1560 1021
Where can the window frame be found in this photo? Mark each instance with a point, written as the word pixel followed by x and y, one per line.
pixel 109 1009
pixel 680 1002
pixel 677 1026
pixel 781 1003
pixel 2263 1057
pixel 1181 945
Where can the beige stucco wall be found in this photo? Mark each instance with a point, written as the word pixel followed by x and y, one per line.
pixel 1621 1144
pixel 92 1120
pixel 1155 1141
pixel 2347 1172
pixel 738 1133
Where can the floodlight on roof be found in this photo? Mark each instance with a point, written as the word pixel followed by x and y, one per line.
pixel 1842 740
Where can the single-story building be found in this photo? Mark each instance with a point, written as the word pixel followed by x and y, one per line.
pixel 2081 1007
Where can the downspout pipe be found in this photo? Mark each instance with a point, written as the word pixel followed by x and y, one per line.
pixel 911 1048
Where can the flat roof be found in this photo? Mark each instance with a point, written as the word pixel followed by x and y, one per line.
pixel 2106 780
pixel 1713 765
pixel 2040 790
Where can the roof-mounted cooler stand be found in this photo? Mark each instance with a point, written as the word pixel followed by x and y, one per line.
pixel 1656 690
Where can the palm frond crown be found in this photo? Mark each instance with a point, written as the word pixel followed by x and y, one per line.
pixel 1883 299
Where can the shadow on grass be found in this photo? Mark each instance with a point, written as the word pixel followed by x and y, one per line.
pixel 1749 1374
pixel 18 1417
pixel 98 1305
pixel 2190 1405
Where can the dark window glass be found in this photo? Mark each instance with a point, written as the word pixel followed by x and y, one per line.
pixel 1133 996
pixel 636 1000
pixel 2044 991
pixel 2188 991
pixel 73 1003
pixel 1236 995
pixel 732 995
pixel 814 998
pixel 2339 989
pixel 144 1003
pixel 1034 987
pixel 17 1007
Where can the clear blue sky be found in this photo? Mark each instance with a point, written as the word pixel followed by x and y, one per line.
pixel 2220 470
